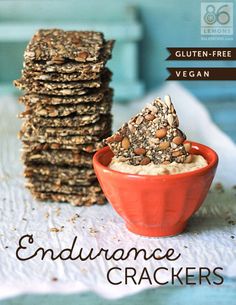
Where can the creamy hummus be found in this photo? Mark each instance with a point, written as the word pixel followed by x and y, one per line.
pixel 158 169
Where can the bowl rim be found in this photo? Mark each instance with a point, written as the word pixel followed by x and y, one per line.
pixel 198 146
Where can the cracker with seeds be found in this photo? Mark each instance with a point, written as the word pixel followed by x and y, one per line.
pixel 60 65
pixel 56 46
pixel 68 121
pixel 66 180
pixel 57 157
pixel 46 187
pixel 100 127
pixel 59 77
pixel 75 182
pixel 58 172
pixel 28 84
pixel 64 68
pixel 56 111
pixel 89 198
pixel 28 137
pixel 61 88
pixel 31 99
pixel 151 136
pixel 87 147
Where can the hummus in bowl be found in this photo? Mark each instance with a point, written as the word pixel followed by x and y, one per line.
pixel 156 204
pixel 158 169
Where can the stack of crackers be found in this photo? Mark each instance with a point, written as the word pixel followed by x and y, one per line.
pixel 67 113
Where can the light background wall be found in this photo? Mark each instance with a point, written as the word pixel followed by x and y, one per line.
pixel 164 23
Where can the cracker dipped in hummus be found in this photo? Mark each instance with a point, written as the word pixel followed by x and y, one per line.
pixel 151 143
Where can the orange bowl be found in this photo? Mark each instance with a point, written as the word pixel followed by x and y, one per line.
pixel 156 205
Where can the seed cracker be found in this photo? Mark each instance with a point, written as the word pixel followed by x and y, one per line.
pixel 86 199
pixel 56 45
pixel 68 121
pixel 59 172
pixel 75 182
pixel 57 157
pixel 102 107
pixel 68 66
pixel 98 128
pixel 62 88
pixel 151 136
pixel 31 99
pixel 88 147
pixel 67 140
pixel 60 77
pixel 47 187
